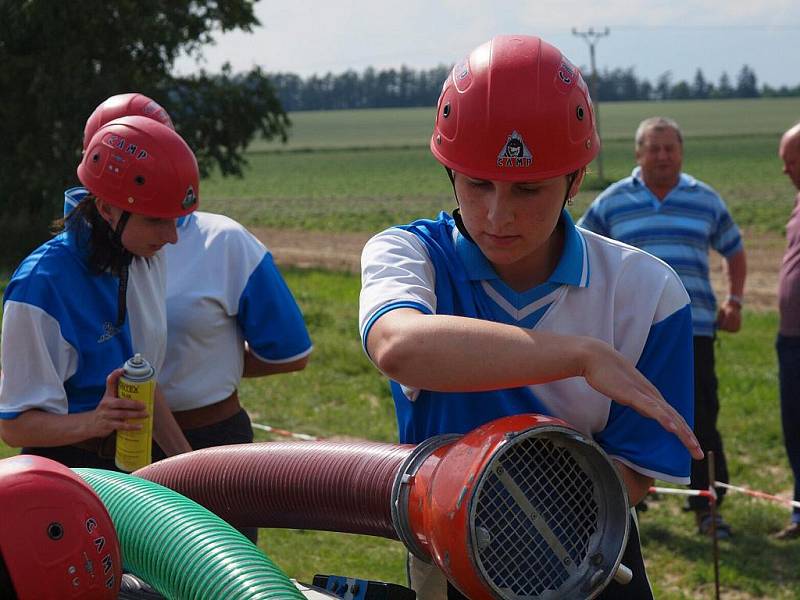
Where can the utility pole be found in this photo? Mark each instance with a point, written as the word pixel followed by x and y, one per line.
pixel 592 37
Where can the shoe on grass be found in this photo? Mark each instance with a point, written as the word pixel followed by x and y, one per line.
pixel 790 532
pixel 704 523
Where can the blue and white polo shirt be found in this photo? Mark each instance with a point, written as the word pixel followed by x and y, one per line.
pixel 223 289
pixel 60 339
pixel 600 288
pixel 678 229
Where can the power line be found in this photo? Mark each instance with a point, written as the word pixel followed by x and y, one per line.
pixel 708 27
pixel 592 37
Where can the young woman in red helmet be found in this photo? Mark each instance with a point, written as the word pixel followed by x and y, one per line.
pixel 506 307
pixel 241 321
pixel 87 300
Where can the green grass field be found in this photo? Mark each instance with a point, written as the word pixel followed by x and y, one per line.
pixel 389 127
pixel 341 395
pixel 364 170
pixel 368 190
pixel 343 177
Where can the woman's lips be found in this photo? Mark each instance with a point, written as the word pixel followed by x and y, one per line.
pixel 502 240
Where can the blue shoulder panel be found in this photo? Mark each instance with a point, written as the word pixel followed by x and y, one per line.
pixel 667 362
pixel 269 317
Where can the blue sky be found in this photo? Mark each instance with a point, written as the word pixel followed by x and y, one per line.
pixel 652 36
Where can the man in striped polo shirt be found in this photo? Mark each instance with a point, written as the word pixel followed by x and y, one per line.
pixel 677 218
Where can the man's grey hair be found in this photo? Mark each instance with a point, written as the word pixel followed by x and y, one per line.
pixel 659 124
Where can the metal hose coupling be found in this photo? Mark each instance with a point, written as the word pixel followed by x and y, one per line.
pixel 522 507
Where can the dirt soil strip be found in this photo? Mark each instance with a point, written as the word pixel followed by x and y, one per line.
pixel 324 250
pixel 342 252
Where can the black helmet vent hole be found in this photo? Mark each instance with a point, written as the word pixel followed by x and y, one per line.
pixel 446 110
pixel 579 112
pixel 139 180
pixel 55 531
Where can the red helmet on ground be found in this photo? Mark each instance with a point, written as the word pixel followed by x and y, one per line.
pixel 515 110
pixel 124 105
pixel 56 537
pixel 143 167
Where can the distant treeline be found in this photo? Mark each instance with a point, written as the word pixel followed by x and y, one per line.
pixel 410 87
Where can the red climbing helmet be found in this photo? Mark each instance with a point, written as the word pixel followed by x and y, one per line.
pixel 57 541
pixel 143 167
pixel 515 110
pixel 124 105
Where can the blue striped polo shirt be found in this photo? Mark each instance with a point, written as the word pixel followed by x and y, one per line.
pixel 678 229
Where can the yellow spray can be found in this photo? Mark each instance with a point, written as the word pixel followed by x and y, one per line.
pixel 138 382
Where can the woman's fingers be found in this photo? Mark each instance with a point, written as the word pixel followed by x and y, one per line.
pixel 654 406
pixel 111 382
pixel 626 385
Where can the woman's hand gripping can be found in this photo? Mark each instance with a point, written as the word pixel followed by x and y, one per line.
pixel 138 382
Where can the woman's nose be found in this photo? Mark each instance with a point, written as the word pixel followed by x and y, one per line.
pixel 499 209
pixel 171 232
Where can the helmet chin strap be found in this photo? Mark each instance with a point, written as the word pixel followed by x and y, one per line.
pixel 125 259
pixel 457 211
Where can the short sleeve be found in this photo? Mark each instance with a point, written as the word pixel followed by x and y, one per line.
pixel 36 361
pixel 726 237
pixel 396 272
pixel 270 318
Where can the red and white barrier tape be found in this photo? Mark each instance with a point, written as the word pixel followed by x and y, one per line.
pixel 710 493
pixel 757 494
pixel 285 432
pixel 681 492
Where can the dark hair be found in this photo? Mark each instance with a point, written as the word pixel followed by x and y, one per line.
pixel 105 248
pixel 6 585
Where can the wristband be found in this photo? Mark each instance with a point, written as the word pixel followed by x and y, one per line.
pixel 735 300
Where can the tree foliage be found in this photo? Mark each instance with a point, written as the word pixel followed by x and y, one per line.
pixel 58 60
pixel 371 89
pixel 409 87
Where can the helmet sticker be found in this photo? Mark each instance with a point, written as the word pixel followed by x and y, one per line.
pixel 566 74
pixel 190 199
pixel 462 76
pixel 461 70
pixel 514 153
pixel 154 110
pixel 117 141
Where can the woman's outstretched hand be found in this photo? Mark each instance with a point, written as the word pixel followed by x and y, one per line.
pixel 611 374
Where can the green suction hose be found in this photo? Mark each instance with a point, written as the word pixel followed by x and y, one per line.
pixel 181 549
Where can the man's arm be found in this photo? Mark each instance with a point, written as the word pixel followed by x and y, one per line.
pixel 729 316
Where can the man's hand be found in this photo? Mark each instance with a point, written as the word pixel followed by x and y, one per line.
pixel 729 316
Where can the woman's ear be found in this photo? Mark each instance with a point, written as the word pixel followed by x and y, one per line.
pixel 576 183
pixel 108 212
